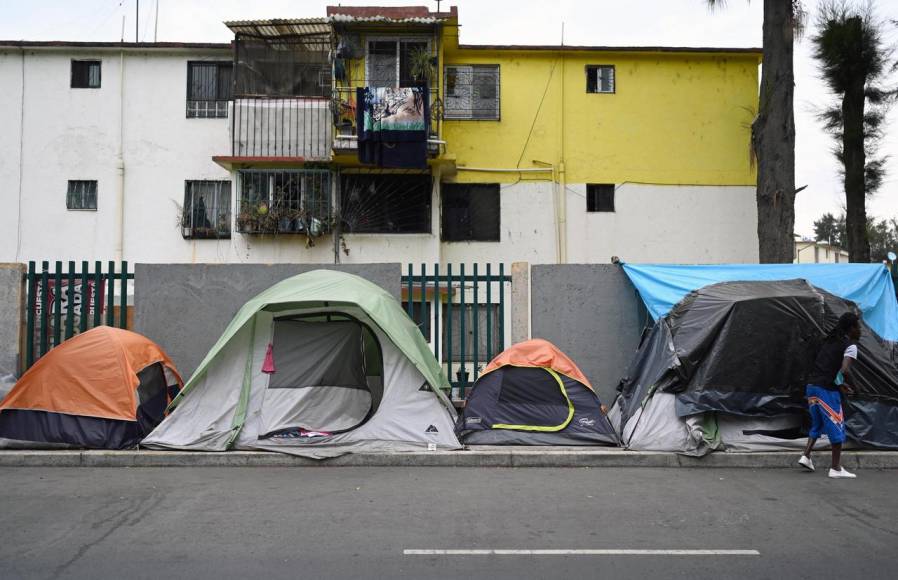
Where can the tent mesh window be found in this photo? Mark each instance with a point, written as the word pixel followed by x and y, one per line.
pixel 209 88
pixel 295 201
pixel 600 78
pixel 600 197
pixel 207 210
pixel 385 203
pixel 471 212
pixel 472 92
pixel 86 74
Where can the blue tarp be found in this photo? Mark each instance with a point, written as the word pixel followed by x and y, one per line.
pixel 868 285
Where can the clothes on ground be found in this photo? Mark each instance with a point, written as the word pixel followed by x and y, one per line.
pixel 392 126
pixel 825 407
pixel 829 361
pixel 300 434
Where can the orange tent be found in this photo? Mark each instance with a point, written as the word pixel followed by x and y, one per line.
pixel 105 388
pixel 539 353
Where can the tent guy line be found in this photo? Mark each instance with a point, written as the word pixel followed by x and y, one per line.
pixel 585 552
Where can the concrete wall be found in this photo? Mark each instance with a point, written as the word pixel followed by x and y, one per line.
pixel 185 308
pixel 593 314
pixel 12 302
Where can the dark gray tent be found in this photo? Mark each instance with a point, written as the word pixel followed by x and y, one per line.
pixel 730 361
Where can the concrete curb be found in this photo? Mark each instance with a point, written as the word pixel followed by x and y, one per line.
pixel 487 457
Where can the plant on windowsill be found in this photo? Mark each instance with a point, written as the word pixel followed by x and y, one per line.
pixel 421 66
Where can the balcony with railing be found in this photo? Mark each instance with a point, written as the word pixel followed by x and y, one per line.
pixel 281 110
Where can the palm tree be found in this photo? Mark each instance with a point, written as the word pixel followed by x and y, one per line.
pixel 773 131
pixel 854 60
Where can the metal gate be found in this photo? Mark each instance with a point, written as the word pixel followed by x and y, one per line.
pixel 461 314
pixel 67 301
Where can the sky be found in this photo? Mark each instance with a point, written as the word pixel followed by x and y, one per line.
pixel 590 22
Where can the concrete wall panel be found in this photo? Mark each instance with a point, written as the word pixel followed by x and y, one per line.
pixel 593 314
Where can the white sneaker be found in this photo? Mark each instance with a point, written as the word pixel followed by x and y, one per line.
pixel 806 462
pixel 842 473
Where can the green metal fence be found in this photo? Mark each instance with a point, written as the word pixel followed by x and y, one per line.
pixel 461 312
pixel 69 300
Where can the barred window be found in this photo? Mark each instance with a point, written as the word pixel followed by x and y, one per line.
pixel 600 78
pixel 385 203
pixel 81 195
pixel 390 61
pixel 209 88
pixel 470 212
pixel 472 92
pixel 292 201
pixel 86 74
pixel 207 210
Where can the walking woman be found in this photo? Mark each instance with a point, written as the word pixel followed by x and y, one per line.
pixel 830 378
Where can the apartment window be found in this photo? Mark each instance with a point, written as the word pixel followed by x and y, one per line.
pixel 390 62
pixel 599 78
pixel 207 210
pixel 385 203
pixel 209 88
pixel 81 195
pixel 86 74
pixel 600 197
pixel 470 212
pixel 472 92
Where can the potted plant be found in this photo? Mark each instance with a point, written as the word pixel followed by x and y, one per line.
pixel 421 65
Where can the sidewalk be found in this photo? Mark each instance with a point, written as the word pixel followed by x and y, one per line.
pixel 479 456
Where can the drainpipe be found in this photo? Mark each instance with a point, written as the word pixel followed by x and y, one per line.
pixel 562 200
pixel 120 165
pixel 562 215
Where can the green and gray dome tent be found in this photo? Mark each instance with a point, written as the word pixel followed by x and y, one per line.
pixel 319 365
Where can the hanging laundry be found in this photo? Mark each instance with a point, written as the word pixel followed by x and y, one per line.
pixel 392 126
pixel 268 363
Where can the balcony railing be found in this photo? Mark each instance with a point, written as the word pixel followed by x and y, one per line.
pixel 289 127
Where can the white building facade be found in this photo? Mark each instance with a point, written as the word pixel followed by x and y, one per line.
pixel 102 148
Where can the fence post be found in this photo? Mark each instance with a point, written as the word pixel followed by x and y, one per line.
pixel 409 301
pixel 70 302
pixel 489 312
pixel 98 291
pixel 461 333
pixel 449 324
pixel 57 305
pixel 45 307
pixel 29 324
pixel 85 301
pixel 438 305
pixel 475 327
pixel 123 299
pixel 425 319
pixel 110 292
pixel 502 307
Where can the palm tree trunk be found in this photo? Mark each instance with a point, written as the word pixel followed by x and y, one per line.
pixel 773 137
pixel 854 160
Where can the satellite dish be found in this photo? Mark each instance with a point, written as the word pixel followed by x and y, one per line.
pixel 892 256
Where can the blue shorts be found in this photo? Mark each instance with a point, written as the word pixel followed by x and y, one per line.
pixel 826 414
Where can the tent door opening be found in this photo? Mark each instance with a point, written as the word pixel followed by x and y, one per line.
pixel 326 377
pixel 533 399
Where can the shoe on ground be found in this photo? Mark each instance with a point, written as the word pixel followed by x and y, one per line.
pixel 806 462
pixel 841 473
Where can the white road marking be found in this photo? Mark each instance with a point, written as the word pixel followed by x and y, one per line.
pixel 588 552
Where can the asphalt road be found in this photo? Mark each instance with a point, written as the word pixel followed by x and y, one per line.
pixel 268 523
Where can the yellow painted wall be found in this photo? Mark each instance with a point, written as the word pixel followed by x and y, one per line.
pixel 675 118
